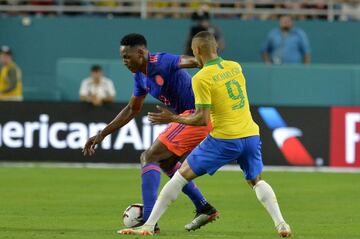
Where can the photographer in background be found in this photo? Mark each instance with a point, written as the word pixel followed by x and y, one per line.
pixel 97 89
pixel 10 77
pixel 202 19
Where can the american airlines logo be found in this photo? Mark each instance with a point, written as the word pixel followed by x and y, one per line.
pixel 286 138
pixel 43 134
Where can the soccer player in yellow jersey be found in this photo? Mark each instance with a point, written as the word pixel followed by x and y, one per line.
pixel 220 94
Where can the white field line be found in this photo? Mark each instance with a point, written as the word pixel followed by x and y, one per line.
pixel 132 166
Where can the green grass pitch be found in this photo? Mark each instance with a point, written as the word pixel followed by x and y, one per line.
pixel 84 203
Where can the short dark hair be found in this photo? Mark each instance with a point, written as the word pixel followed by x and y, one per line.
pixel 96 68
pixel 205 35
pixel 207 41
pixel 133 39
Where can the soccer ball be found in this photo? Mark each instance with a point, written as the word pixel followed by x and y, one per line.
pixel 133 215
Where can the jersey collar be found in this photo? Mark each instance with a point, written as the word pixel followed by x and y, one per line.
pixel 213 61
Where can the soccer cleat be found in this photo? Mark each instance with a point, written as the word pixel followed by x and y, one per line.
pixel 203 217
pixel 145 230
pixel 283 229
pixel 156 229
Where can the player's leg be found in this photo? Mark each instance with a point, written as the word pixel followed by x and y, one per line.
pixel 267 197
pixel 170 166
pixel 168 194
pixel 205 158
pixel 251 163
pixel 197 163
pixel 150 175
pixel 181 140
pixel 157 154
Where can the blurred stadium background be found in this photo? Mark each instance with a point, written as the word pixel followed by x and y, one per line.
pixel 309 114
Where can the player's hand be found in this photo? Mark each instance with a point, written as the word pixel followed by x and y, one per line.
pixel 97 101
pixel 165 116
pixel 89 148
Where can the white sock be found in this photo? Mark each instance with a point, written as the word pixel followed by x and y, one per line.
pixel 168 194
pixel 266 196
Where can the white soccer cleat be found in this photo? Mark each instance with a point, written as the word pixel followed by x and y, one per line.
pixel 283 229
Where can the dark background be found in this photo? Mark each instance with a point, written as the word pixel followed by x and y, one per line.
pixel 313 122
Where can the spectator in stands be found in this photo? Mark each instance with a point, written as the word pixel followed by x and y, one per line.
pixel 109 4
pixel 74 3
pixel 10 77
pixel 202 19
pixel 350 10
pixel 318 5
pixel 106 3
pixel 97 89
pixel 286 45
pixel 158 6
pixel 43 3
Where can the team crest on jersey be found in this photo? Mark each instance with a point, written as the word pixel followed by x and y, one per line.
pixel 153 58
pixel 159 80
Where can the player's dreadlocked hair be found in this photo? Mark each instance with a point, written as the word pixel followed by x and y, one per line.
pixel 133 39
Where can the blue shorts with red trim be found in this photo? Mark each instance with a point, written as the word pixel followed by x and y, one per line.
pixel 214 153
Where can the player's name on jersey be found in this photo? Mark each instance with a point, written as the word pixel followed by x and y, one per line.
pixel 227 74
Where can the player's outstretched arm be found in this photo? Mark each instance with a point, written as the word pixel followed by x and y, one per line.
pixel 199 118
pixel 188 62
pixel 128 113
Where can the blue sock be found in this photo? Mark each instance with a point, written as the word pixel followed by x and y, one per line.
pixel 190 190
pixel 150 176
pixel 195 195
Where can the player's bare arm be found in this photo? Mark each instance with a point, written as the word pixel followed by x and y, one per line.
pixel 188 62
pixel 199 118
pixel 126 114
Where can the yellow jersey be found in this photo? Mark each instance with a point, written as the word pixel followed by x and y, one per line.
pixel 8 73
pixel 220 85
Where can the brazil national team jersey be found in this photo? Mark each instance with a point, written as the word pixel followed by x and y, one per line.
pixel 166 82
pixel 220 85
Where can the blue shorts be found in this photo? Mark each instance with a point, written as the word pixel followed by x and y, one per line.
pixel 214 153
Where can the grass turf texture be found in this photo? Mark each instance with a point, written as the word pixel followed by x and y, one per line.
pixel 88 203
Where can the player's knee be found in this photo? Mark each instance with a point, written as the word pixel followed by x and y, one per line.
pixel 168 164
pixel 143 158
pixel 146 158
pixel 187 172
pixel 164 166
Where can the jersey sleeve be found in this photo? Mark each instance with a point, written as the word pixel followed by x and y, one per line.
pixel 170 62
pixel 202 91
pixel 139 90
